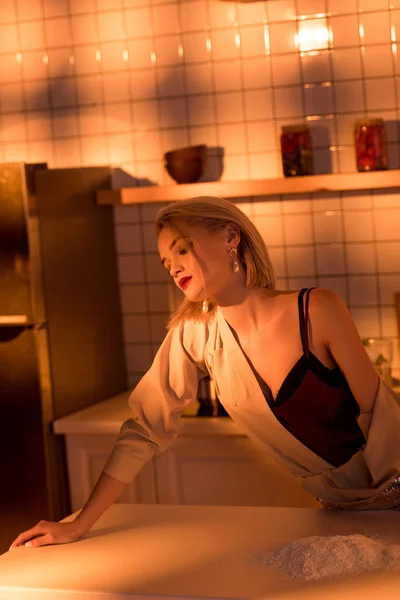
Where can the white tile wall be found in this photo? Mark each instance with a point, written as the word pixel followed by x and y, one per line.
pixel 121 82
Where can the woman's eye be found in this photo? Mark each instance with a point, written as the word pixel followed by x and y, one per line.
pixel 181 252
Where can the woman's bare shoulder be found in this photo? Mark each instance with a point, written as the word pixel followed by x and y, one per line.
pixel 329 314
pixel 327 304
pixel 336 327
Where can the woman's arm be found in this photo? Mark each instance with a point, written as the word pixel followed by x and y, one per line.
pixel 157 403
pixel 331 318
pixel 158 400
pixel 106 491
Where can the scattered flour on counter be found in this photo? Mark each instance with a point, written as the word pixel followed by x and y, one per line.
pixel 316 557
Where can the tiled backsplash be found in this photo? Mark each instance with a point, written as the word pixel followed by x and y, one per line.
pixel 118 82
pixel 347 242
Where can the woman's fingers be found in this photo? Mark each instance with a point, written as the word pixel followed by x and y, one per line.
pixel 27 535
pixel 47 532
pixel 42 540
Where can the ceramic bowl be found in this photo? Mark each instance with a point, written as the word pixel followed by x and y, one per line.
pixel 186 165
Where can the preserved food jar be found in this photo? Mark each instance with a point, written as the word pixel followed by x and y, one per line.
pixel 370 142
pixel 296 151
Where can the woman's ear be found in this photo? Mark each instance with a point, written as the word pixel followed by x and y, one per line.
pixel 232 235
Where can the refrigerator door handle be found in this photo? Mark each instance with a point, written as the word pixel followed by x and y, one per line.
pixel 35 326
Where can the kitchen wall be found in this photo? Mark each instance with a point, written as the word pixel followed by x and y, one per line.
pixel 87 82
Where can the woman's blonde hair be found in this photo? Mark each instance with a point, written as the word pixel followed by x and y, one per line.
pixel 214 214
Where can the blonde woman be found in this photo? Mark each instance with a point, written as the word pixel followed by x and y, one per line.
pixel 288 366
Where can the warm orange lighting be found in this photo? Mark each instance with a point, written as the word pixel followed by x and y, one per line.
pixel 318 117
pixel 315 16
pixel 267 41
pixel 312 35
pixel 308 86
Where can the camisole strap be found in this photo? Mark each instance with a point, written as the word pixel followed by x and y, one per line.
pixel 304 320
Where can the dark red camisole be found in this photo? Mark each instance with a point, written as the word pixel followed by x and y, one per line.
pixel 316 405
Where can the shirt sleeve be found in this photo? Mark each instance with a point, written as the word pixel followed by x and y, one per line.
pixel 158 400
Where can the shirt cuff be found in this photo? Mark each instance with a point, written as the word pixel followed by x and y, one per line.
pixel 123 466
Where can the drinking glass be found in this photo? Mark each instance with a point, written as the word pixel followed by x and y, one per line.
pixel 380 352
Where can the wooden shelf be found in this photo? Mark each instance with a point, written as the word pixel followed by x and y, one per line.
pixel 257 187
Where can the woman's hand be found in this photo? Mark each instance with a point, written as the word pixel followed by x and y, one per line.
pixel 48 532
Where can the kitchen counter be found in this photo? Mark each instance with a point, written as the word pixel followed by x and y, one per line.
pixel 192 552
pixel 106 417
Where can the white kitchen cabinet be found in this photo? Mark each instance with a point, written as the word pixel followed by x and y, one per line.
pixel 223 470
pixel 210 463
pixel 196 470
pixel 86 457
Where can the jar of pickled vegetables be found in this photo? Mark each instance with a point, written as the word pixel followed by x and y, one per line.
pixel 370 142
pixel 296 150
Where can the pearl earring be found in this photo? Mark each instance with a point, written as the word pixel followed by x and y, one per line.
pixel 235 264
pixel 205 306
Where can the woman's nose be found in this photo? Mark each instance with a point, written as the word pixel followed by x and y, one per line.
pixel 176 267
pixel 175 271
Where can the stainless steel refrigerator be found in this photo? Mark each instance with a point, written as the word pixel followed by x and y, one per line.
pixel 61 341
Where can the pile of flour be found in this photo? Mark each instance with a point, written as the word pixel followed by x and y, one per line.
pixel 317 557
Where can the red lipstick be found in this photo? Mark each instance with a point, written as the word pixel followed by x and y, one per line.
pixel 184 282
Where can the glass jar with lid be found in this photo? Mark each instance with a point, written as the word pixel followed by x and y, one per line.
pixel 370 142
pixel 296 151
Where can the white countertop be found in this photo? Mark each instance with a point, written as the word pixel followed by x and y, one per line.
pixel 106 417
pixel 191 552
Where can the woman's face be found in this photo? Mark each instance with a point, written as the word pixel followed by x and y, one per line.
pixel 197 260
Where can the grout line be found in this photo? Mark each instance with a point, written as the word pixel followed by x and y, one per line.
pixel 130 96
pixel 377 273
pixel 158 98
pixel 145 276
pixel 346 245
pixel 337 167
pixel 75 79
pixel 237 29
pixel 24 112
pixel 362 60
pixel 212 61
pixel 184 77
pixel 396 87
pixel 49 109
pixel 100 78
